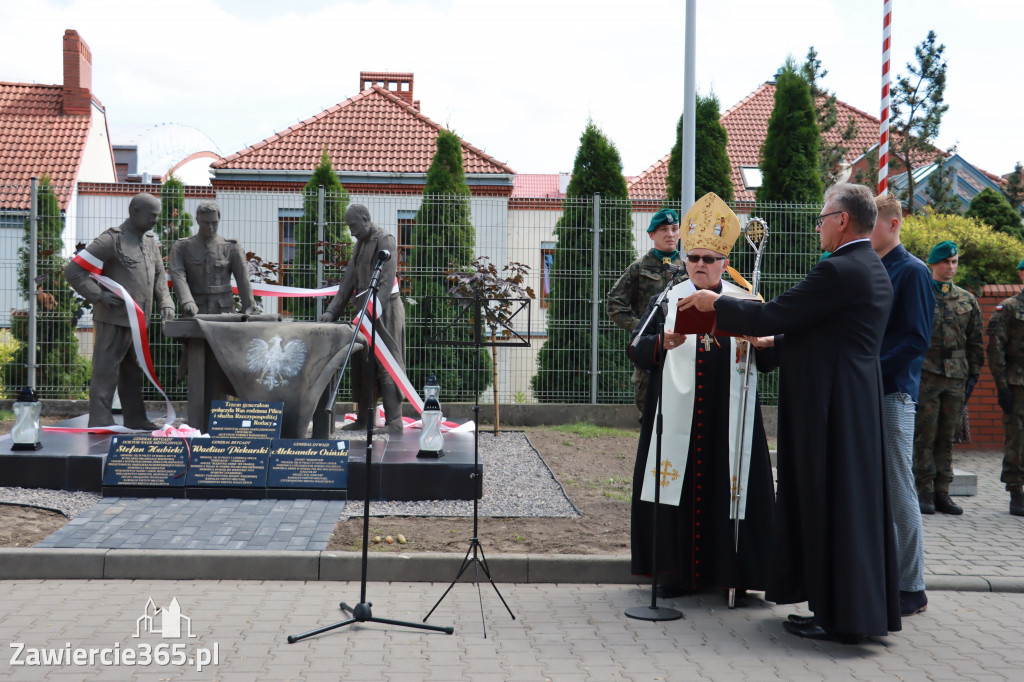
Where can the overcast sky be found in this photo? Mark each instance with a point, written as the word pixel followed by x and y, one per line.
pixel 516 79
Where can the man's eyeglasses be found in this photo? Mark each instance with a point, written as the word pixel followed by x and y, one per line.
pixel 708 260
pixel 821 219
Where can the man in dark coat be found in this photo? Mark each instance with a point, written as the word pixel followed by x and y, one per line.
pixel 701 398
pixel 371 240
pixel 834 539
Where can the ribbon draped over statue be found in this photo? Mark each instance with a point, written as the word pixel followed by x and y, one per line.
pixel 386 358
pixel 140 338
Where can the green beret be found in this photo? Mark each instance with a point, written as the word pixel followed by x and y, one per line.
pixel 1020 265
pixel 942 251
pixel 665 215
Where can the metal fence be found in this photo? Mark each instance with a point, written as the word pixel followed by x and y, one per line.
pixel 503 229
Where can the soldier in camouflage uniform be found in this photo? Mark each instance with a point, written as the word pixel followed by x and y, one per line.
pixel 1006 362
pixel 646 277
pixel 950 371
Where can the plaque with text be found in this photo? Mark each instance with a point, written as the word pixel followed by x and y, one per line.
pixel 145 461
pixel 308 464
pixel 229 462
pixel 245 420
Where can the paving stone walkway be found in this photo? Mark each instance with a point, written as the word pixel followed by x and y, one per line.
pixel 167 523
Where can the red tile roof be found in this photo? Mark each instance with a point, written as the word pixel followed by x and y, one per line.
pixel 374 131
pixel 747 125
pixel 651 183
pixel 37 139
pixel 536 186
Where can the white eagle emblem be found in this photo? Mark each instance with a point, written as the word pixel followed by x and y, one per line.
pixel 274 364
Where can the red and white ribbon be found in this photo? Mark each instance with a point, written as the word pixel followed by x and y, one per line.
pixel 385 357
pixel 883 126
pixel 137 324
pixel 280 291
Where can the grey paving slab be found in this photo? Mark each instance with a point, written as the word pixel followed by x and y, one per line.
pixel 561 632
pixel 163 523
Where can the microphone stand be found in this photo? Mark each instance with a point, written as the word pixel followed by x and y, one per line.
pixel 362 612
pixel 654 612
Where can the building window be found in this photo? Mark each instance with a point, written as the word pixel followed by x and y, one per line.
pixel 288 223
pixel 406 219
pixel 547 262
pixel 751 176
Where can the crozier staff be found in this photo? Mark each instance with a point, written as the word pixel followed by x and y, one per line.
pixel 700 380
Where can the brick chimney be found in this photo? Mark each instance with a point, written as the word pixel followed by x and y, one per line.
pixel 398 84
pixel 77 75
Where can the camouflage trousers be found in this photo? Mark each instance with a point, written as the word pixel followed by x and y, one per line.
pixel 640 380
pixel 1013 449
pixel 939 407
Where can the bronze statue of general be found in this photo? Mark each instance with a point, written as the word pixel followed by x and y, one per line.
pixel 131 257
pixel 371 239
pixel 202 265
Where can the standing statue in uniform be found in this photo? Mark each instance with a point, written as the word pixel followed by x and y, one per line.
pixel 130 256
pixel 370 240
pixel 202 265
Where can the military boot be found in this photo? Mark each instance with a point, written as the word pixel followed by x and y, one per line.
pixel 1017 503
pixel 945 504
pixel 927 502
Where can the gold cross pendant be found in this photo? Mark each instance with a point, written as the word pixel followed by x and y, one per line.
pixel 707 341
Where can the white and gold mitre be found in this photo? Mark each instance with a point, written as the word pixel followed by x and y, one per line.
pixel 710 224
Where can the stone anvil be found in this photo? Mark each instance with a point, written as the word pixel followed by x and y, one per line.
pixel 263 359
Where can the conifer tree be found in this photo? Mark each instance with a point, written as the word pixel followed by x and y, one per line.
pixel 1014 190
pixel 941 196
pixel 174 222
pixel 61 372
pixel 564 358
pixel 443 239
pixel 917 108
pixel 712 170
pixel 830 154
pixel 992 208
pixel 789 175
pixel 308 247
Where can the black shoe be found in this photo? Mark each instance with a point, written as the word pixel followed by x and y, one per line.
pixel 912 602
pixel 813 631
pixel 945 504
pixel 800 620
pixel 927 502
pixel 1017 504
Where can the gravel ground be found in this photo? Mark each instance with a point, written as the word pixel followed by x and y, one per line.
pixel 517 482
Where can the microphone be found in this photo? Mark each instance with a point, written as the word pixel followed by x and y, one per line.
pixel 383 255
pixel 676 270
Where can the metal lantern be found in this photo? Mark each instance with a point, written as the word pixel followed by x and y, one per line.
pixel 431 440
pixel 25 434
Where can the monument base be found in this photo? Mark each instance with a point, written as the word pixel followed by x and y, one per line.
pixel 74 461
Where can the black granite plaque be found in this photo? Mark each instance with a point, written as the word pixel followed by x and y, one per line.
pixel 229 462
pixel 145 461
pixel 245 420
pixel 308 464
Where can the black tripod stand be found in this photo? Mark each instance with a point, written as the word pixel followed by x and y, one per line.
pixel 362 612
pixel 653 611
pixel 475 554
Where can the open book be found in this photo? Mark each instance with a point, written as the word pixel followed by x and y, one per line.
pixel 693 321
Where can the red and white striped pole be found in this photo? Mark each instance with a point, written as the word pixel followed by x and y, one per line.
pixel 883 127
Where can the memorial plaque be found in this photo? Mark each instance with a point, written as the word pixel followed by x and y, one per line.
pixel 220 462
pixel 245 420
pixel 145 461
pixel 319 464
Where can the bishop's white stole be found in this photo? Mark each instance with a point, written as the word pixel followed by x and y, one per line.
pixel 678 388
